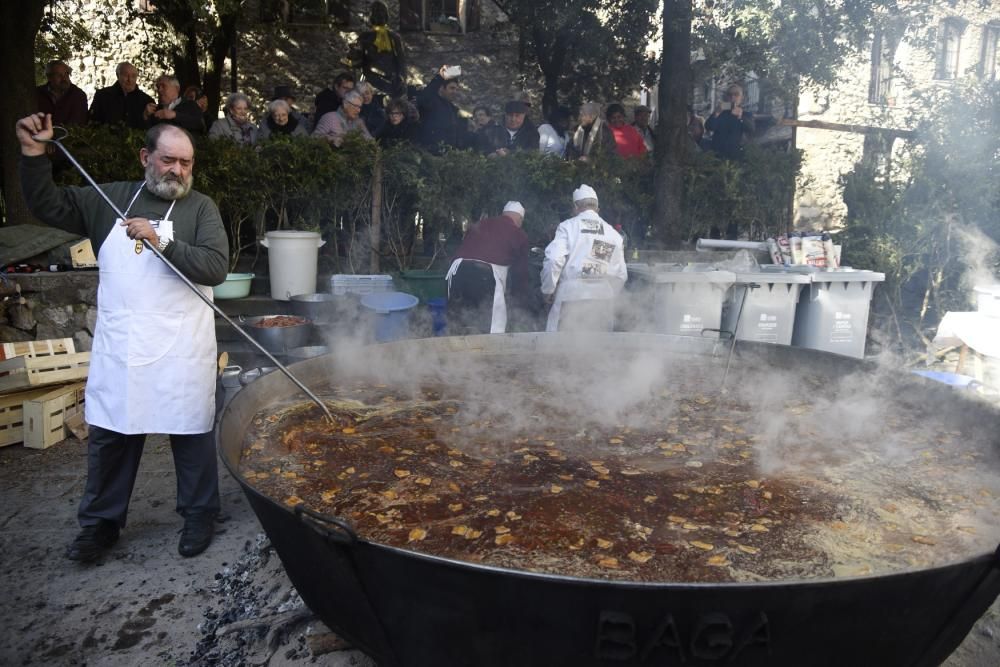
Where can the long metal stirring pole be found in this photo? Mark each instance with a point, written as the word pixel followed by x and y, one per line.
pixel 736 330
pixel 187 281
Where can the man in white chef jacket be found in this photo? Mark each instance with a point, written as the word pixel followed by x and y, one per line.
pixel 153 361
pixel 584 269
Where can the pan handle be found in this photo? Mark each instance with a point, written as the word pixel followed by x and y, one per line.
pixel 341 533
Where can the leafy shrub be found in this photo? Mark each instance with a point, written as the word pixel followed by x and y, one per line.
pixel 933 225
pixel 302 184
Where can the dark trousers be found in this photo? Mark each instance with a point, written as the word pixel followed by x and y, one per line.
pixel 113 461
pixel 470 299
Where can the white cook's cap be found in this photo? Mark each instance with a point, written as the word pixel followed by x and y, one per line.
pixel 514 207
pixel 584 192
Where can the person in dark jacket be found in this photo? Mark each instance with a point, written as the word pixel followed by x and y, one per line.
pixel 729 124
pixel 174 109
pixel 517 133
pixel 286 94
pixel 641 115
pixel 281 122
pixel 59 97
pixel 372 110
pixel 380 53
pixel 440 124
pixel 398 126
pixel 122 102
pixel 329 98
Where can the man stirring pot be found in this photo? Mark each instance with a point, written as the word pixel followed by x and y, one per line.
pixel 154 354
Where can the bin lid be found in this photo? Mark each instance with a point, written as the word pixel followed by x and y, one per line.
pixel 388 302
pixel 771 277
pixel 712 277
pixel 988 290
pixel 844 274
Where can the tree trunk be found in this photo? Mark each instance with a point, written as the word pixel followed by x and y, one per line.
pixel 376 223
pixel 19 23
pixel 550 96
pixel 672 135
pixel 219 48
pixel 186 61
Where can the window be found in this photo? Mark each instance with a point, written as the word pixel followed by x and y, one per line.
pixel 443 16
pixel 880 81
pixel 988 57
pixel 949 47
pixel 752 91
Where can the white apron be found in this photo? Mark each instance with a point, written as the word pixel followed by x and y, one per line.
pixel 153 360
pixel 498 324
pixel 578 289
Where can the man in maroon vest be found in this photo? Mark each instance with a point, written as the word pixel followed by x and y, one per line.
pixel 493 250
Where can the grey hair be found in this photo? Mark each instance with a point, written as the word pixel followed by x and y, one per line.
pixel 172 80
pixel 355 97
pixel 52 63
pixel 590 109
pixel 122 65
pixel 364 87
pixel 233 98
pixel 585 204
pixel 278 104
pixel 153 135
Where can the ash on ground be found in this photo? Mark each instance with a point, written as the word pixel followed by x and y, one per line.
pixel 259 619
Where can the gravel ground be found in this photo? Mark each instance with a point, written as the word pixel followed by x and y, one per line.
pixel 143 604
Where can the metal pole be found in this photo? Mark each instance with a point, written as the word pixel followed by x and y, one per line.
pixel 736 330
pixel 187 281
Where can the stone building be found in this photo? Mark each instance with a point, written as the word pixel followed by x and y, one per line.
pixel 882 88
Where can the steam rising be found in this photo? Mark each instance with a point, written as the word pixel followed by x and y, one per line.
pixel 980 257
pixel 800 415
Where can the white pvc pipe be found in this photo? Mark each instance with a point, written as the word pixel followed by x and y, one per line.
pixel 718 244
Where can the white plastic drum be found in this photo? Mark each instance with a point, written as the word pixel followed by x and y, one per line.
pixel 292 260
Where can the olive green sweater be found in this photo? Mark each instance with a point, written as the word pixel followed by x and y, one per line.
pixel 200 249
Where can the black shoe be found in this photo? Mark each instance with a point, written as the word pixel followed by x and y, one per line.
pixel 197 534
pixel 93 540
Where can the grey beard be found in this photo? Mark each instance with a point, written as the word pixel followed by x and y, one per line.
pixel 166 187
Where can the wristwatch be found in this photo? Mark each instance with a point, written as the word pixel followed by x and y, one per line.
pixel 162 245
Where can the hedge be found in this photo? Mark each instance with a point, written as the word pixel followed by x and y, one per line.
pixel 304 184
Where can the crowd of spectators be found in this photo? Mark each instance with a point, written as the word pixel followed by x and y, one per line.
pixel 428 117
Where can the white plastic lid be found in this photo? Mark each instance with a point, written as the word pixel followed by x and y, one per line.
pixel 695 277
pixel 291 234
pixel 988 290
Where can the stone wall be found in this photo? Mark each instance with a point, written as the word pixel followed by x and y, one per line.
pixel 830 154
pixel 121 35
pixel 50 305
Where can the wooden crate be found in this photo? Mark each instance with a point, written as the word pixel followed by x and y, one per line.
pixel 44 416
pixel 27 372
pixel 12 415
pixel 37 348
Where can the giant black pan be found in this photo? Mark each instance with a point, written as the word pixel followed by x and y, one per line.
pixel 406 608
